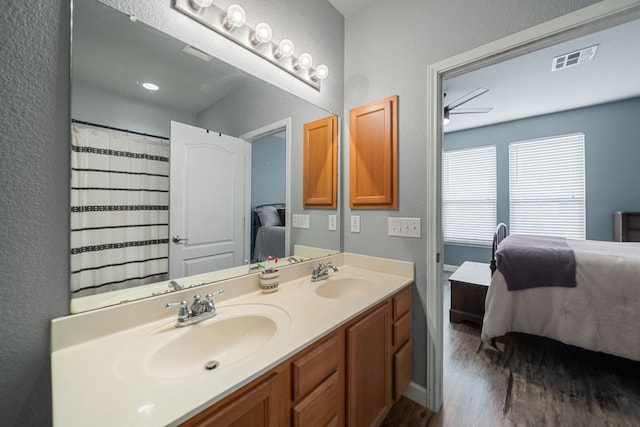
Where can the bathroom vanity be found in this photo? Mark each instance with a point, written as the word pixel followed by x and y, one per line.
pixel 335 352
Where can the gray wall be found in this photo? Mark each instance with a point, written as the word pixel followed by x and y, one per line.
pixel 387 51
pixel 95 105
pixel 34 177
pixel 612 150
pixel 34 118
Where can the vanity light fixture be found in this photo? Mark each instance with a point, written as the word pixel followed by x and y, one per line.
pixel 235 17
pixel 284 50
pixel 262 34
pixel 150 86
pixel 304 62
pixel 201 4
pixel 320 73
pixel 231 23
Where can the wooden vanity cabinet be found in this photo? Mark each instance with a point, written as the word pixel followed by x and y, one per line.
pixel 401 345
pixel 369 368
pixel 258 404
pixel 350 377
pixel 318 384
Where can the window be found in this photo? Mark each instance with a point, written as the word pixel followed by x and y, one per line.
pixel 469 195
pixel 546 186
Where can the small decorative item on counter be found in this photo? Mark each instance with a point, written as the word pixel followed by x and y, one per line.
pixel 270 276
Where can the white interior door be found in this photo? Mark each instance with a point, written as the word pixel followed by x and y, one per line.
pixel 207 192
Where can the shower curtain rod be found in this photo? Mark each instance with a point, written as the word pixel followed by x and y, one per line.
pixel 118 129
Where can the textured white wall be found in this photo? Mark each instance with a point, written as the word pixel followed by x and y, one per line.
pixel 388 46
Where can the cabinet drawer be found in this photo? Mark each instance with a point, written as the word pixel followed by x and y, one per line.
pixel 312 368
pixel 402 370
pixel 402 303
pixel 320 408
pixel 401 330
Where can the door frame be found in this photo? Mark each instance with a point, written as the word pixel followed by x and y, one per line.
pixel 586 20
pixel 250 137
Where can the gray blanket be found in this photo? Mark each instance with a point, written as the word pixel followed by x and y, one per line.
pixel 536 261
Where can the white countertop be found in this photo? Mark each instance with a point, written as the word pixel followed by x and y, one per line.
pixel 90 389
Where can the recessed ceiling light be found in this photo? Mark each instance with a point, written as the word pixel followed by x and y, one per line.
pixel 150 86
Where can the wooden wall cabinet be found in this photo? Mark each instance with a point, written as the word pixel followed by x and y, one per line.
pixel 373 155
pixel 368 368
pixel 320 164
pixel 350 377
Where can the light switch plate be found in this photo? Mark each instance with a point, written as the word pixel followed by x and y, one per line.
pixel 404 227
pixel 333 223
pixel 355 223
pixel 300 221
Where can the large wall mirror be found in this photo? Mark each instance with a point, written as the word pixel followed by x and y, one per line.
pixel 134 182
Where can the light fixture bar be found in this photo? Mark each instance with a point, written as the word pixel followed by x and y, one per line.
pixel 215 18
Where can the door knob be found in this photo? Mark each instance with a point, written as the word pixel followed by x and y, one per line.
pixel 177 239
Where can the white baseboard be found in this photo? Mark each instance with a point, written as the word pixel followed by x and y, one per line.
pixel 417 393
pixel 449 268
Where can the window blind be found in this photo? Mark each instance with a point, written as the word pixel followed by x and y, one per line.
pixel 469 195
pixel 547 186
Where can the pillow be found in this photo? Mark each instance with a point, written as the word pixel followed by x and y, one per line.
pixel 269 216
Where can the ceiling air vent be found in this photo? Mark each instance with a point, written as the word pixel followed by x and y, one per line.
pixel 574 58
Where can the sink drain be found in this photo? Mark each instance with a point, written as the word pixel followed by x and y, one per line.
pixel 210 365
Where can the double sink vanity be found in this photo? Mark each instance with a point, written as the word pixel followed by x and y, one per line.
pixel 335 351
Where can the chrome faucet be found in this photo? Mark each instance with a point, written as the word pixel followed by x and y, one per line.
pixel 200 309
pixel 321 271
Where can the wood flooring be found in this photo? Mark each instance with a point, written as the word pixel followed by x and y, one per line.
pixel 526 381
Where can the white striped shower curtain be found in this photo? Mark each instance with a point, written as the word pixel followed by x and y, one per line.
pixel 119 210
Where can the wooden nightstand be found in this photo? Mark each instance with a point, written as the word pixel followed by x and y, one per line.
pixel 469 285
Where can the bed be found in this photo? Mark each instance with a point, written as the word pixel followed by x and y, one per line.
pixel 268 227
pixel 600 311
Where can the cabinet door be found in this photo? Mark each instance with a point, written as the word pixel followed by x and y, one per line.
pixel 373 155
pixel 368 368
pixel 320 172
pixel 402 370
pixel 257 407
pixel 320 408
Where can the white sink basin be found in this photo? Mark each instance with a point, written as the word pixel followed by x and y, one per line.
pixel 345 287
pixel 169 353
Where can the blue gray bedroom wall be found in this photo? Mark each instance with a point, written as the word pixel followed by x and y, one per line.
pixel 612 149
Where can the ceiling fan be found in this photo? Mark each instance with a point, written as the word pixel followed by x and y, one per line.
pixel 452 107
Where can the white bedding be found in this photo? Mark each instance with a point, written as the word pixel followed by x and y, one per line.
pixel 602 313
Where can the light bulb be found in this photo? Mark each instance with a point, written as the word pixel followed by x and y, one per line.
pixel 200 4
pixel 235 17
pixel 304 62
pixel 150 86
pixel 445 119
pixel 321 72
pixel 262 34
pixel 284 49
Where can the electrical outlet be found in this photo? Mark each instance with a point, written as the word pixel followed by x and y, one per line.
pixel 403 227
pixel 355 223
